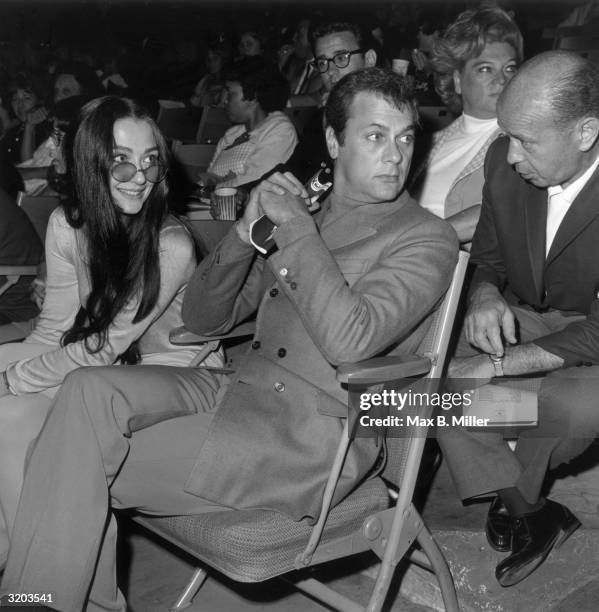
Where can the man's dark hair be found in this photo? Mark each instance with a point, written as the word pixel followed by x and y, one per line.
pixel 260 80
pixel 574 93
pixel 333 27
pixel 381 82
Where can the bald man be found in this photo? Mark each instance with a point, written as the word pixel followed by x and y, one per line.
pixel 536 288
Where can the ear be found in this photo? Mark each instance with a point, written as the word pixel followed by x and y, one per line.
pixel 370 58
pixel 587 133
pixel 457 83
pixel 332 142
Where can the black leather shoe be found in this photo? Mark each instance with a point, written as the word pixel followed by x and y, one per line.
pixel 533 537
pixel 499 526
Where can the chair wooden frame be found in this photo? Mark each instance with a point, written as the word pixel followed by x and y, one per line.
pixel 390 533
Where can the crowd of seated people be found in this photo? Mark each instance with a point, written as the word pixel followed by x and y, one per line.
pixel 262 135
pixel 514 175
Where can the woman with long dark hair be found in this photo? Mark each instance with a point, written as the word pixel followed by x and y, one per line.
pixel 117 265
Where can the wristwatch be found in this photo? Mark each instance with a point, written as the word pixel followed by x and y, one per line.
pixel 497 364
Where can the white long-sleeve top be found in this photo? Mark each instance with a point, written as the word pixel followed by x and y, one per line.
pixel 67 288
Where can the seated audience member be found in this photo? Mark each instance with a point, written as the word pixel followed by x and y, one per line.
pixel 535 249
pixel 338 50
pixel 474 59
pixel 117 265
pixel 263 136
pixel 76 80
pixel 250 44
pixel 37 170
pixel 21 246
pixel 237 446
pixel 304 81
pixel 210 88
pixel 26 97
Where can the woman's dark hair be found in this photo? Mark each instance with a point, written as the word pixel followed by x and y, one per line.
pixel 121 251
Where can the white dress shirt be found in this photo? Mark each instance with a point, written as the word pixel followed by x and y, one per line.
pixel 559 201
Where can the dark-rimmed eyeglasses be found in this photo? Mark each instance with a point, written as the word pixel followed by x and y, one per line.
pixel 341 60
pixel 125 171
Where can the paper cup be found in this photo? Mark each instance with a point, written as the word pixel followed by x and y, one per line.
pixel 225 203
pixel 400 66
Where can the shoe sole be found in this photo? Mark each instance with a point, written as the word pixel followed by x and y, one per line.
pixel 512 578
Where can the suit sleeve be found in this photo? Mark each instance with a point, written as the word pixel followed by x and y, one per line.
pixel 485 254
pixel 386 303
pixel 225 289
pixel 578 343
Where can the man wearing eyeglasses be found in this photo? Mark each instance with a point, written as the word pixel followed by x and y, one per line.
pixel 339 49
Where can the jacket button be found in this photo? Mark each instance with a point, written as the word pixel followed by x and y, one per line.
pixel 281 352
pixel 279 387
pixel 274 292
pixel 256 344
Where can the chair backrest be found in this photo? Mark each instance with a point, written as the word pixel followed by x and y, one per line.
pixel 300 116
pixel 213 124
pixel 38 209
pixel 194 158
pixel 434 346
pixel 434 118
pixel 176 122
pixel 585 45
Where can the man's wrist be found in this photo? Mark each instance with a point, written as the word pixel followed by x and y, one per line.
pixel 243 232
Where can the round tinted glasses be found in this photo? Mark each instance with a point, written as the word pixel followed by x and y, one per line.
pixel 125 171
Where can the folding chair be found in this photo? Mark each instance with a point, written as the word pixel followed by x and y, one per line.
pixel 38 209
pixel 255 545
pixel 585 45
pixel 176 121
pixel 300 116
pixel 194 158
pixel 213 124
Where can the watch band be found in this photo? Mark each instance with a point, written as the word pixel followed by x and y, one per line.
pixel 497 364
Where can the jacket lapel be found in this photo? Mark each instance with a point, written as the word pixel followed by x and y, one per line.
pixel 479 158
pixel 355 223
pixel 535 219
pixel 582 211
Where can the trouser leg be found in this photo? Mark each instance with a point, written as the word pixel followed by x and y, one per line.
pixel 568 424
pixel 482 462
pixel 64 506
pixel 21 418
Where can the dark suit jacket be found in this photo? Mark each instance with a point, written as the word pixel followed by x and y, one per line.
pixel 19 245
pixel 361 286
pixel 508 249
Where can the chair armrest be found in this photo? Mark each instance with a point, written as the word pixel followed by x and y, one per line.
pixel 13 273
pixel 182 336
pixel 381 369
pixel 10 270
